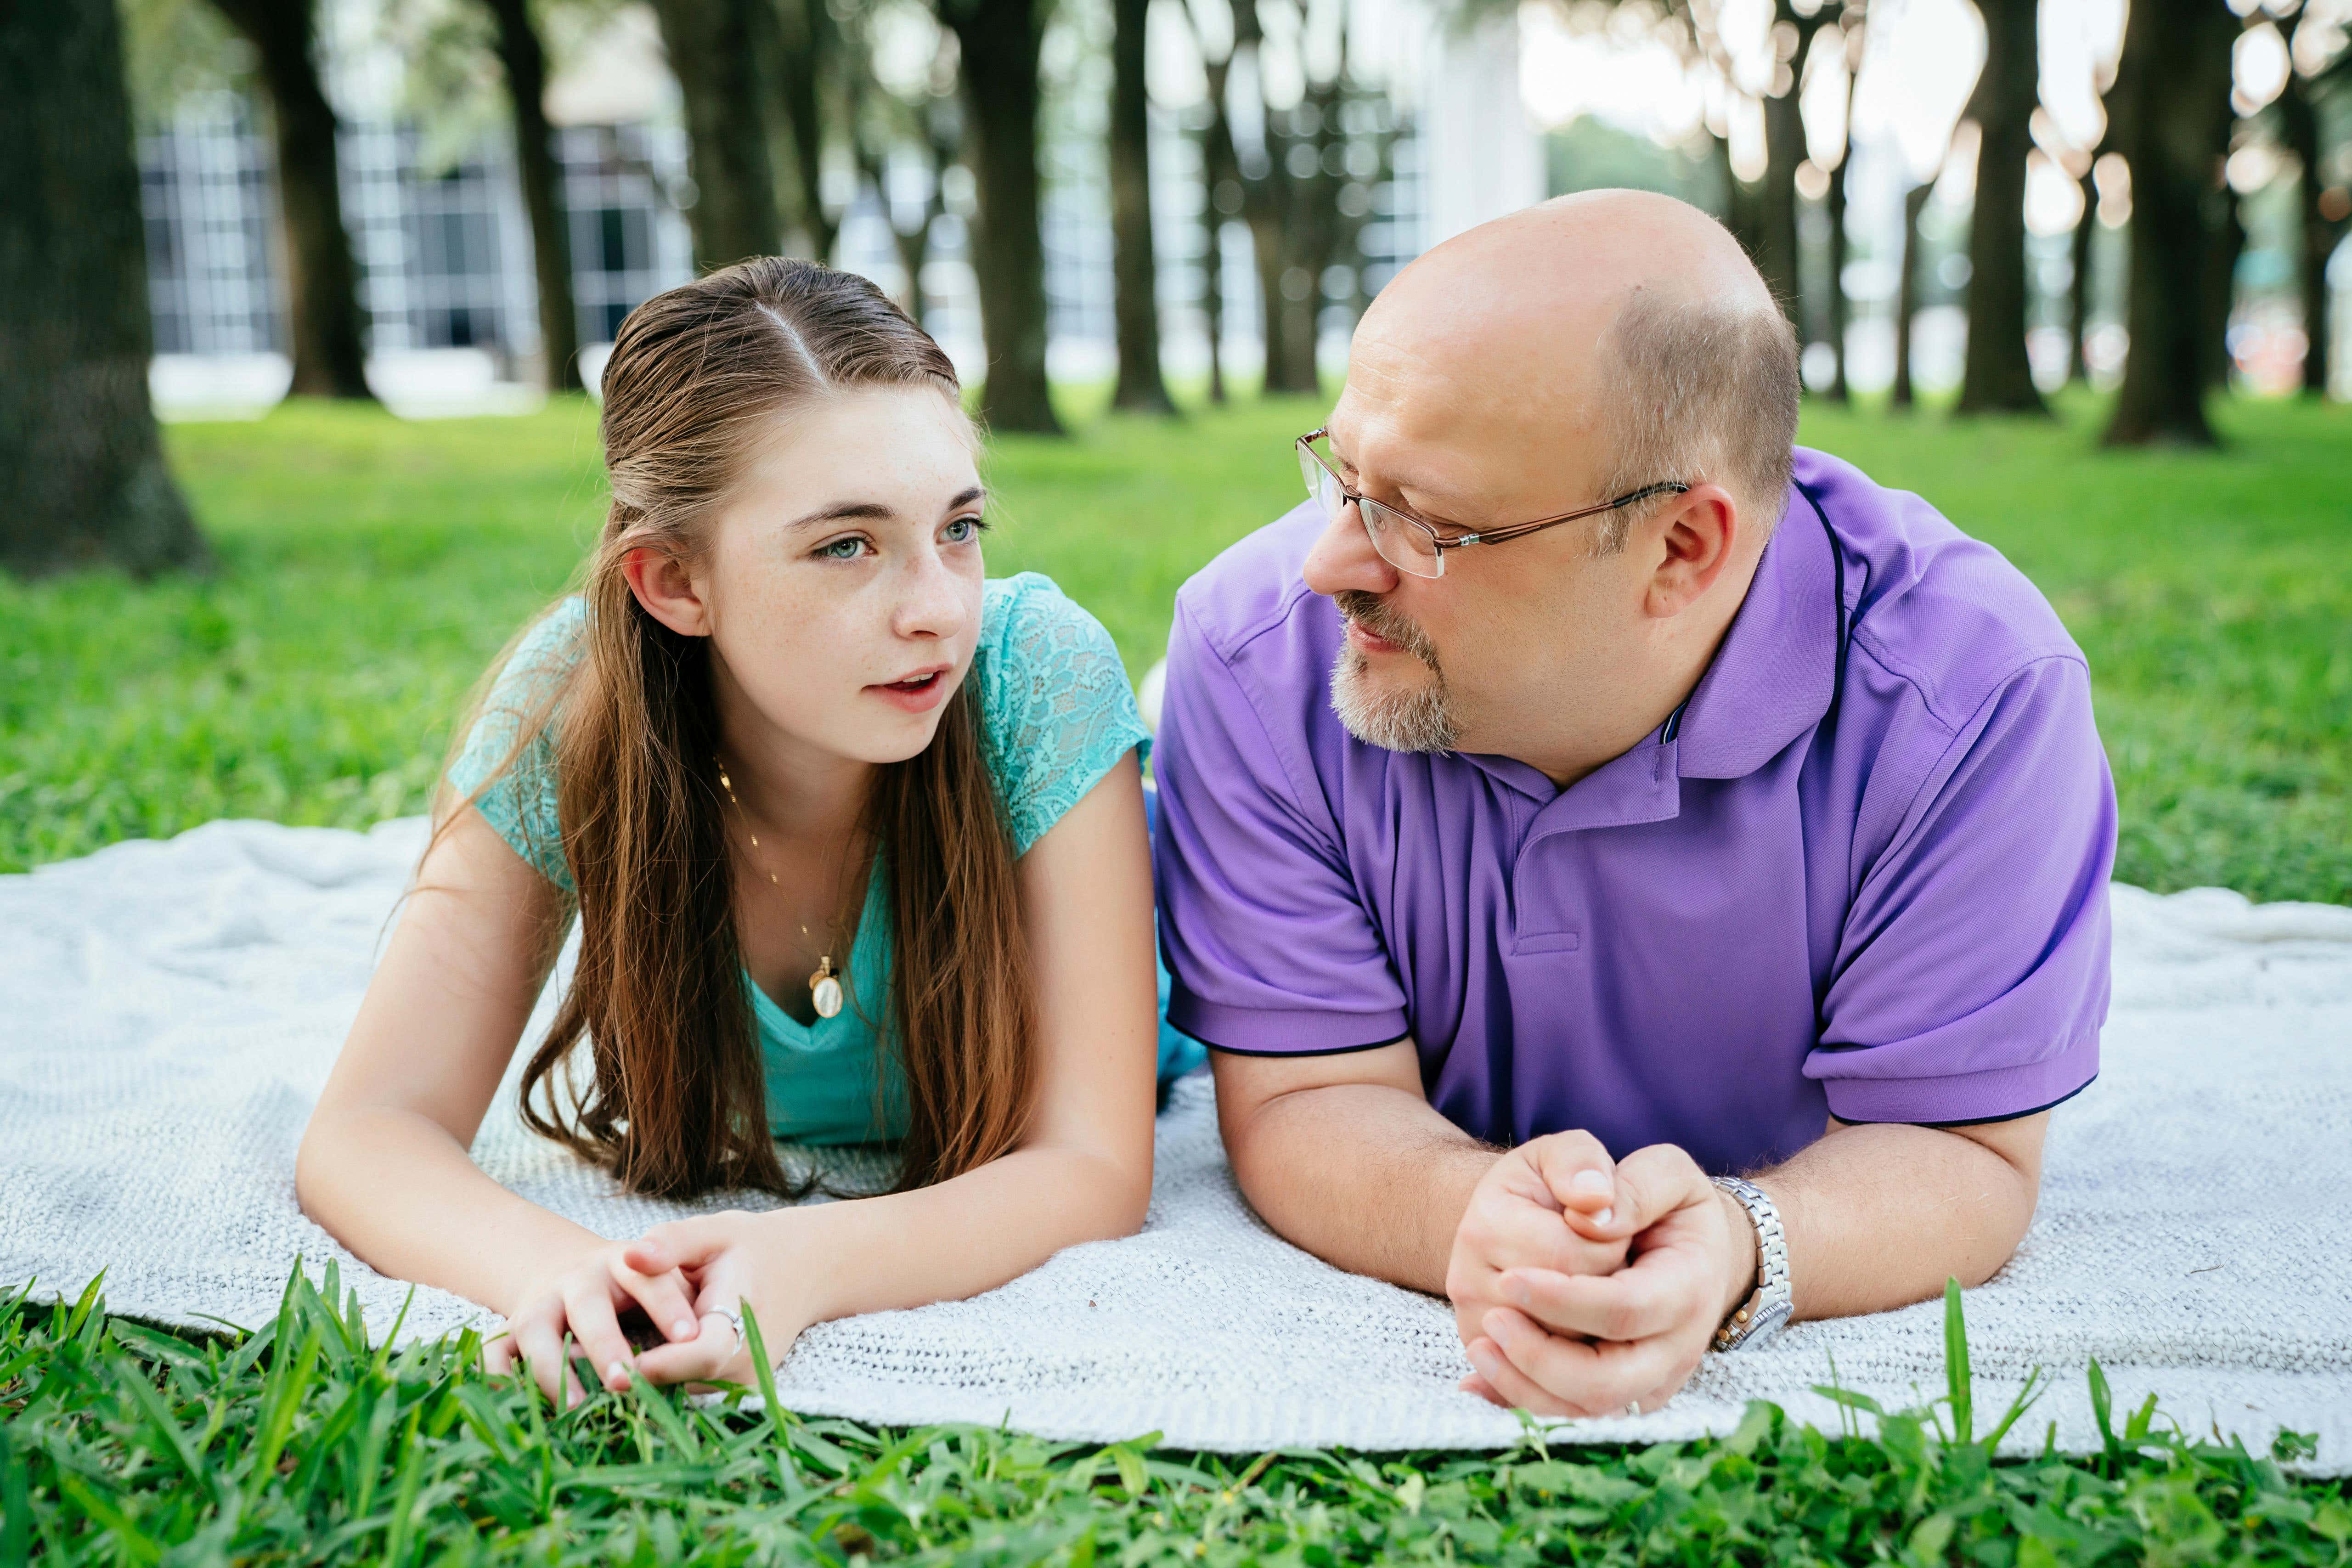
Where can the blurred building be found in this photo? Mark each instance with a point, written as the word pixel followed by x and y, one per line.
pixel 444 245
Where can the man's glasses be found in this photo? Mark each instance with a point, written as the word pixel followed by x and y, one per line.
pixel 1412 546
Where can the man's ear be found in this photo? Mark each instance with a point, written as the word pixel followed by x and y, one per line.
pixel 1694 537
pixel 664 587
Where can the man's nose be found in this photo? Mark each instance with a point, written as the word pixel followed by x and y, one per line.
pixel 1343 558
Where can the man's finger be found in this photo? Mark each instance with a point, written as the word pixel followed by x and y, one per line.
pixel 1631 1304
pixel 1581 1177
pixel 1588 1379
pixel 1652 1183
pixel 1512 1388
pixel 1515 1235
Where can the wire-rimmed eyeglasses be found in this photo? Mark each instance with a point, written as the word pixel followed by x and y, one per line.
pixel 1411 545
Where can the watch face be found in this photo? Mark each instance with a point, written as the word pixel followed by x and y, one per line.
pixel 1768 1321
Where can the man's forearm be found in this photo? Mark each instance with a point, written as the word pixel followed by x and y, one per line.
pixel 1879 1216
pixel 1365 1176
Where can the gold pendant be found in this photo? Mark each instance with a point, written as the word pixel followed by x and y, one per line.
pixel 824 991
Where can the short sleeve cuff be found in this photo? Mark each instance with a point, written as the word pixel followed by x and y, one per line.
pixel 1283 1032
pixel 1995 1095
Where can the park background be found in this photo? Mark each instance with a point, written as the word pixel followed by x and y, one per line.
pixel 301 308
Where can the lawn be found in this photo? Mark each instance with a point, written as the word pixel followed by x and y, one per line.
pixel 368 569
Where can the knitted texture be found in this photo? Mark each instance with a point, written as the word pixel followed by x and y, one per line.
pixel 175 1007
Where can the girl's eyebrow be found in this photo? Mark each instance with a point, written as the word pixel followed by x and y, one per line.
pixel 875 510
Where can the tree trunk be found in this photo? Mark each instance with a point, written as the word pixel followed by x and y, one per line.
pixel 802 40
pixel 2170 120
pixel 1906 288
pixel 2226 242
pixel 1997 376
pixel 1742 210
pixel 1136 270
pixel 1839 391
pixel 326 329
pixel 1219 170
pixel 1000 41
pixel 2318 236
pixel 2078 292
pixel 542 191
pixel 712 48
pixel 1779 256
pixel 82 476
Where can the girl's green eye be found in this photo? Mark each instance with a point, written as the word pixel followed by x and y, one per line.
pixel 964 530
pixel 845 548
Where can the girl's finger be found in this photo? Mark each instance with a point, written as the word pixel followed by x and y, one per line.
pixel 663 1297
pixel 713 1353
pixel 597 1330
pixel 540 1349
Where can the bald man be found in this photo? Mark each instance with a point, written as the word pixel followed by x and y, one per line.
pixel 1640 880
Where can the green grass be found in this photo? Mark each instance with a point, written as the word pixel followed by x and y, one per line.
pixel 302 1443
pixel 369 568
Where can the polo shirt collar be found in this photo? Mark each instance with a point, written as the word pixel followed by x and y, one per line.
pixel 1771 681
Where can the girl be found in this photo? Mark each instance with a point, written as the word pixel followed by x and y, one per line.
pixel 855 840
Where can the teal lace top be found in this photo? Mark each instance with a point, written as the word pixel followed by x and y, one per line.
pixel 1056 714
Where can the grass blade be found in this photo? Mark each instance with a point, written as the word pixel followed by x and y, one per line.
pixel 1957 1376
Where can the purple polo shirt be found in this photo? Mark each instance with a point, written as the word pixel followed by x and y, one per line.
pixel 1861 874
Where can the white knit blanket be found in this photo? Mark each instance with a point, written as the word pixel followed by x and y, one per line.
pixel 168 1011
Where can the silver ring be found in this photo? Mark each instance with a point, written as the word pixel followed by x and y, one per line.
pixel 734 1321
pixel 1633 1407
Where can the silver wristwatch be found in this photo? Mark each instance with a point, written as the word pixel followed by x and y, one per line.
pixel 1761 1316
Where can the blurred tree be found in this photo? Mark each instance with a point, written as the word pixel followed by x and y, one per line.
pixel 1906 288
pixel 326 328
pixel 2078 287
pixel 999 41
pixel 1835 206
pixel 1848 39
pixel 1221 188
pixel 82 476
pixel 541 177
pixel 2169 114
pixel 1136 266
pixel 1997 376
pixel 1300 195
pixel 1778 257
pixel 2225 243
pixel 714 50
pixel 802 51
pixel 887 120
pixel 2323 203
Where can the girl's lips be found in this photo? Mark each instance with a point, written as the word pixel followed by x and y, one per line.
pixel 916 693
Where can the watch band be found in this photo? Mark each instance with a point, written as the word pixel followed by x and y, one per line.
pixel 1761 1316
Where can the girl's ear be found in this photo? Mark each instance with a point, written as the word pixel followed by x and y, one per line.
pixel 662 586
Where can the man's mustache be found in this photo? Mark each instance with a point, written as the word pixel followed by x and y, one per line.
pixel 1376 615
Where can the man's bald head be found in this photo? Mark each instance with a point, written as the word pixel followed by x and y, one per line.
pixel 1627 324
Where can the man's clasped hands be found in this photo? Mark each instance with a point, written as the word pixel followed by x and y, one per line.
pixel 1584 1287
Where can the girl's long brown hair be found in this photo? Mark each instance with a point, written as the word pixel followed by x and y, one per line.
pixel 676 1104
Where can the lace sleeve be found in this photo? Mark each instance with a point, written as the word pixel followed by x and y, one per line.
pixel 1055 706
pixel 515 790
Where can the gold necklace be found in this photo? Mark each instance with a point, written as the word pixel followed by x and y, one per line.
pixel 824 984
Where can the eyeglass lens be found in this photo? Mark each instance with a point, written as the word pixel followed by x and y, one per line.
pixel 1397 541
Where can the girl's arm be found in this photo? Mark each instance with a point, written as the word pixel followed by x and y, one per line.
pixel 1082 1173
pixel 384 1164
